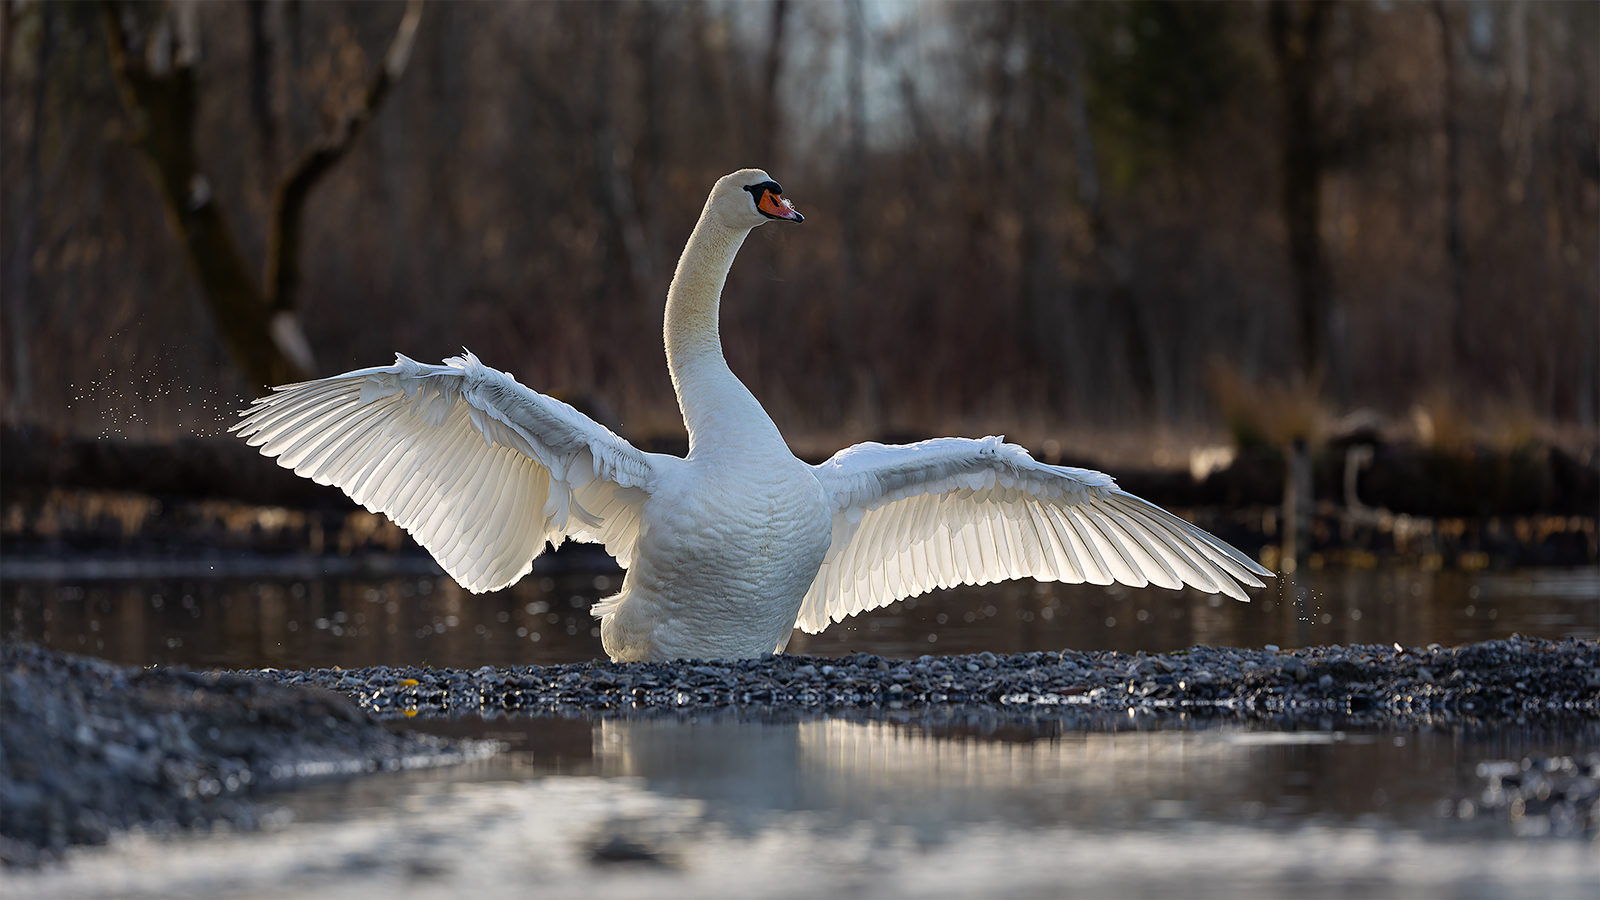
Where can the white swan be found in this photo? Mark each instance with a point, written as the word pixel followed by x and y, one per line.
pixel 729 549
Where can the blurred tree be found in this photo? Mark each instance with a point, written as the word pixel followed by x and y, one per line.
pixel 1296 28
pixel 1055 217
pixel 1159 75
pixel 1459 330
pixel 23 206
pixel 155 72
pixel 768 143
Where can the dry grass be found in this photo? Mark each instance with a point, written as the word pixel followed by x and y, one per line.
pixel 1268 412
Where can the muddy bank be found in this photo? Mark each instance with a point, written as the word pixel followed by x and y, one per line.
pixel 1509 678
pixel 91 747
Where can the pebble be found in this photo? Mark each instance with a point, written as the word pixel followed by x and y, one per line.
pixel 1539 795
pixel 1511 677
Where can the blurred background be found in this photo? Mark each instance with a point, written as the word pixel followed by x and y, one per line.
pixel 1324 266
pixel 1042 219
pixel 1321 277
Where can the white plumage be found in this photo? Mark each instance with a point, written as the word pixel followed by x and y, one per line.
pixel 733 546
pixel 479 469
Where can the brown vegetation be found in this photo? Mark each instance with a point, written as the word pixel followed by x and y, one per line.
pixel 1036 218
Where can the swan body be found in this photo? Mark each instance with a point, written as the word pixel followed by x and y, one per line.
pixel 732 547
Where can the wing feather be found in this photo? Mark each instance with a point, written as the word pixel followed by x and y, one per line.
pixel 1122 569
pixel 480 470
pixel 1203 552
pixel 309 426
pixel 333 452
pixel 1153 558
pixel 1068 566
pixel 991 546
pixel 956 511
pixel 1189 567
pixel 343 448
pixel 1095 570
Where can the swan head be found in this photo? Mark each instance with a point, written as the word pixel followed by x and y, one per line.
pixel 749 197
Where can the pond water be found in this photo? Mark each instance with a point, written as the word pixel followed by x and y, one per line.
pixel 963 804
pixel 977 807
pixel 298 615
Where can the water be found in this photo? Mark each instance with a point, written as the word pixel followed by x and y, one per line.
pixel 305 618
pixel 967 805
pixel 727 807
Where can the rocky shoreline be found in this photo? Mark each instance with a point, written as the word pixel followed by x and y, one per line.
pixel 88 747
pixel 1514 677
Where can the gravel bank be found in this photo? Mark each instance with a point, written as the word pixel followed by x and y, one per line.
pixel 1513 677
pixel 87 747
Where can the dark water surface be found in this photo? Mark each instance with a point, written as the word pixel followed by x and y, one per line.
pixel 977 806
pixel 938 804
pixel 309 619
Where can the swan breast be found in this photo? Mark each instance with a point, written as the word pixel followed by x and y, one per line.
pixel 727 549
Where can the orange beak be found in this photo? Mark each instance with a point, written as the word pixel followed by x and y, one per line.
pixel 778 208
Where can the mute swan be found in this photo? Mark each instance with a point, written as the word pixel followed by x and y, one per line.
pixel 731 548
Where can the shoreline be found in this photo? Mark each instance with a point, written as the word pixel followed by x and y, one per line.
pixel 92 747
pixel 1492 679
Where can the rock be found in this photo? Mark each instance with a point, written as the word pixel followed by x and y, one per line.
pixel 1296 669
pixel 90 747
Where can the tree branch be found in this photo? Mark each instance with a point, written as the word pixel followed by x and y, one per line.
pixel 294 189
pixel 158 93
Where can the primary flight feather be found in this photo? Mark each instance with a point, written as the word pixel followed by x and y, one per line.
pixel 732 547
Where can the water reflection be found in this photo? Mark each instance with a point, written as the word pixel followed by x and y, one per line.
pixel 980 806
pixel 356 619
pixel 1089 770
pixel 344 620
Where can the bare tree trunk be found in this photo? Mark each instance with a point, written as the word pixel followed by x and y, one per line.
pixel 1461 335
pixel 646 47
pixel 611 160
pixel 1114 260
pixel 1038 326
pixel 25 216
pixel 856 389
pixel 927 138
pixel 159 91
pixel 771 122
pixel 1296 28
pixel 294 190
pixel 261 84
pixel 1297 504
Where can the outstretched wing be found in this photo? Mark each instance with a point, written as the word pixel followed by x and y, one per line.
pixel 479 469
pixel 951 511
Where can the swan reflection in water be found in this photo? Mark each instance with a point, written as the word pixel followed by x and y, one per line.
pixel 905 775
pixel 1083 769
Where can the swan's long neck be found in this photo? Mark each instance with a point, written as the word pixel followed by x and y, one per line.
pixel 716 406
